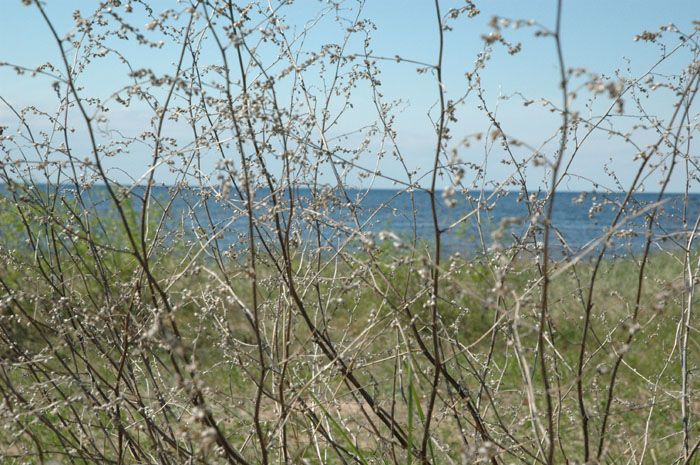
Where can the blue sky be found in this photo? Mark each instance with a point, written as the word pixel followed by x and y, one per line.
pixel 597 35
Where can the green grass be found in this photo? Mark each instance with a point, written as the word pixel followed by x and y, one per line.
pixel 367 320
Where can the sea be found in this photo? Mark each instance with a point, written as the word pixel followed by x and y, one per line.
pixel 472 223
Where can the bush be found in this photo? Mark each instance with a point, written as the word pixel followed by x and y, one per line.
pixel 250 296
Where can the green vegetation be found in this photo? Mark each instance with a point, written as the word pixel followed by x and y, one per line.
pixel 57 355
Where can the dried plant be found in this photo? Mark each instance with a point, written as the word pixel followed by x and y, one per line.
pixel 239 300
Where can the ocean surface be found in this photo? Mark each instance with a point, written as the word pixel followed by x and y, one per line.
pixel 579 220
pixel 477 221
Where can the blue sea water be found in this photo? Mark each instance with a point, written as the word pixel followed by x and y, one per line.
pixel 579 220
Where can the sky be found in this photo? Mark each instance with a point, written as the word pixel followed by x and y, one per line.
pixel 596 35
